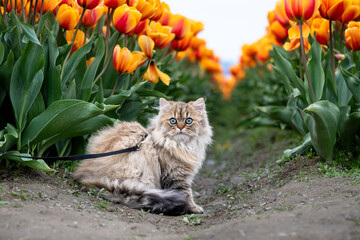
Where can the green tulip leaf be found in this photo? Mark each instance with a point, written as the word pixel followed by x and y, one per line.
pixel 8 137
pixel 2 52
pixel 349 126
pixel 25 160
pixel 316 73
pixel 59 117
pixel 87 81
pixel 26 81
pixel 52 82
pixel 322 120
pixel 87 127
pixel 290 153
pixel 353 83
pixel 285 66
pixel 29 33
pixel 74 61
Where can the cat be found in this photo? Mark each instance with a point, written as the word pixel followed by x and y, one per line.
pixel 157 177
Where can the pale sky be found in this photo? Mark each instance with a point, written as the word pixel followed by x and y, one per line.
pixel 229 24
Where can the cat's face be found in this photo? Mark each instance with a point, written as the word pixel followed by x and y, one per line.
pixel 181 121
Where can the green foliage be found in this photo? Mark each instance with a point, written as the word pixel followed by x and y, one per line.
pixel 332 121
pixel 49 109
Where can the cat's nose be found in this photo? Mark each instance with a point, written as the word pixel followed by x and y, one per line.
pixel 181 126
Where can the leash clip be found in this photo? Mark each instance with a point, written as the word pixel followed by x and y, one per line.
pixel 141 142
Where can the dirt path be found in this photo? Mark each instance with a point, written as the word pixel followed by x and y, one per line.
pixel 246 195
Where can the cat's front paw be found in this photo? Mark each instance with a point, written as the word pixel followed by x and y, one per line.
pixel 197 209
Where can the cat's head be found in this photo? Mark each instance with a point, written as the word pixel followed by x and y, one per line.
pixel 181 121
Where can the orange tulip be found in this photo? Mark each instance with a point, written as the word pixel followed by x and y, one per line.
pixel 79 39
pixel 197 42
pixel 279 31
pixel 147 45
pixel 351 11
pixel 88 4
pixel 237 71
pixel 331 9
pixel 91 16
pixel 211 65
pixel 12 3
pixel 180 26
pixel 67 17
pixel 352 36
pixel 183 44
pixel 114 3
pixel 159 11
pixel 49 5
pixel 166 16
pixel 320 27
pixel 301 10
pixel 146 7
pixel 126 18
pixel 161 35
pixel 295 44
pixel 294 31
pixel 280 14
pixel 196 27
pixel 140 29
pixel 153 74
pixel 126 61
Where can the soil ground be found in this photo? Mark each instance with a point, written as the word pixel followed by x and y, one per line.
pixel 245 193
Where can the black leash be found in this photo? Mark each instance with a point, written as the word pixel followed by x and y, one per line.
pixel 76 157
pixel 80 157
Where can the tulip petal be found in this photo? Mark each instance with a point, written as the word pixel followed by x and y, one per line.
pixel 163 76
pixel 151 73
pixel 147 45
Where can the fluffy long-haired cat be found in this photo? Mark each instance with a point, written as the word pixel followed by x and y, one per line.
pixel 159 175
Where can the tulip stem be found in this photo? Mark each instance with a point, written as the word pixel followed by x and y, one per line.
pixel 304 63
pixel 34 15
pixel 107 34
pixel 72 42
pixel 108 60
pixel 115 85
pixel 30 10
pixel 300 67
pixel 23 11
pixel 332 55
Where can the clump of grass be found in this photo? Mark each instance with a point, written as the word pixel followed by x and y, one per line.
pixel 193 219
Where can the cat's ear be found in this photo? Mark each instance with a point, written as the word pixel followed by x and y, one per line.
pixel 199 104
pixel 163 104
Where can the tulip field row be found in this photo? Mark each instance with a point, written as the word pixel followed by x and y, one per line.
pixel 71 67
pixel 308 77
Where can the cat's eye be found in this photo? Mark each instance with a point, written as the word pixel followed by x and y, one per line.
pixel 173 121
pixel 188 121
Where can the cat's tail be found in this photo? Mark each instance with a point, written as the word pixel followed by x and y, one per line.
pixel 137 195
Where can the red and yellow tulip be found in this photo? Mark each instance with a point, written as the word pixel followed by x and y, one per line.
pixel 351 11
pixel 352 36
pixel 161 35
pixel 126 18
pixel 88 4
pixel 279 31
pixel 146 7
pixel 301 10
pixel 80 39
pixel 331 9
pixel 114 3
pixel 159 11
pixel 126 61
pixel 67 16
pixel 320 27
pixel 48 5
pixel 183 44
pixel 140 29
pixel 180 26
pixel 91 16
